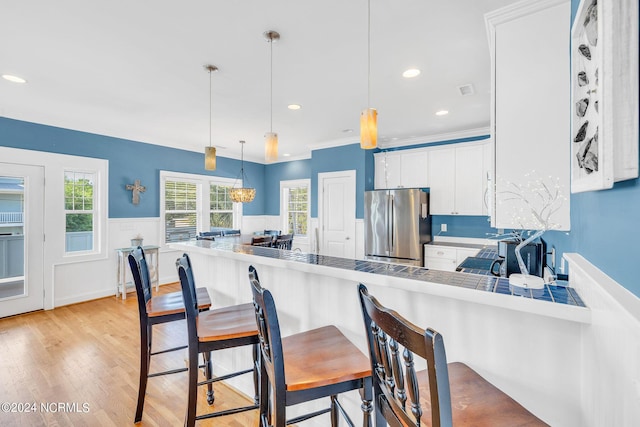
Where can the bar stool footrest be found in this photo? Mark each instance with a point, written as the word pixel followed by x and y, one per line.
pixel 225 377
pixel 308 416
pixel 227 412
pixel 172 371
pixel 169 350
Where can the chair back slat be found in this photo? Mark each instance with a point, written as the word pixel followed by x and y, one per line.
pixel 387 331
pixel 398 377
pixel 141 279
pixel 188 285
pixel 269 332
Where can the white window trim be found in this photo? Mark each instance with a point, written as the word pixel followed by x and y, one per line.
pixel 203 183
pixel 95 212
pixel 99 216
pixel 284 223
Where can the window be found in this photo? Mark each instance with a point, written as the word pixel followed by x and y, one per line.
pixel 221 206
pixel 181 210
pixel 80 214
pixel 185 209
pixel 295 207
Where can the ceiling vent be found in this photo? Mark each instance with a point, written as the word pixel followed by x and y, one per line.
pixel 466 90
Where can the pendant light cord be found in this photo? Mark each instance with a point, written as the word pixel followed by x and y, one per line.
pixel 368 53
pixel 210 108
pixel 271 86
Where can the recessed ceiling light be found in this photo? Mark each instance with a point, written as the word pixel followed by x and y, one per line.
pixel 410 73
pixel 14 79
pixel 442 113
pixel 286 155
pixel 294 107
pixel 347 130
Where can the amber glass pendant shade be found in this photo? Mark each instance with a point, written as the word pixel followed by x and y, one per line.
pixel 369 128
pixel 271 146
pixel 210 158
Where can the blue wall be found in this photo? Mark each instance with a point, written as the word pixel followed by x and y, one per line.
pixel 274 173
pixel 347 157
pixel 128 161
pixel 604 227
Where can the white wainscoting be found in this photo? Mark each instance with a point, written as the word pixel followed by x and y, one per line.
pixel 610 362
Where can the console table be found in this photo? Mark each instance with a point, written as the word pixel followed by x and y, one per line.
pixel 151 254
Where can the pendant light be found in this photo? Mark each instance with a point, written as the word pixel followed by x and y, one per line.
pixel 271 138
pixel 242 194
pixel 369 116
pixel 210 151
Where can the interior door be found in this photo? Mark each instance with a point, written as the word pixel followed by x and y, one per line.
pixel 338 213
pixel 21 238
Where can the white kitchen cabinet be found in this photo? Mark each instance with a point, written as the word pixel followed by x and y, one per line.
pixel 387 170
pixel 457 180
pixel 413 169
pixel 401 169
pixel 530 110
pixel 446 258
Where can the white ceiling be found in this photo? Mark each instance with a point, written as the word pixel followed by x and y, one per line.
pixel 134 69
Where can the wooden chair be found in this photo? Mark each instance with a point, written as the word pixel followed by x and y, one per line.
pixel 405 397
pixel 266 241
pixel 284 241
pixel 213 330
pixel 153 311
pixel 306 366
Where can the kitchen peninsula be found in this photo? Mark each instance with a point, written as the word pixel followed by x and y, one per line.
pixel 526 347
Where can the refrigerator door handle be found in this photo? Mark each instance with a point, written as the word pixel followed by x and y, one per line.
pixel 392 223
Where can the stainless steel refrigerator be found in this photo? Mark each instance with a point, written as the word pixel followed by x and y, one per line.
pixel 397 225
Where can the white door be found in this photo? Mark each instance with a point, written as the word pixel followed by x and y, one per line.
pixel 337 210
pixel 21 238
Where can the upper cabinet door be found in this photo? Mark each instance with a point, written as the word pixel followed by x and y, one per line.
pixel 470 180
pixel 387 170
pixel 401 169
pixel 414 169
pixel 531 113
pixel 442 179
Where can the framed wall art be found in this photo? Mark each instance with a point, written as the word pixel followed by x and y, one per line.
pixel 604 110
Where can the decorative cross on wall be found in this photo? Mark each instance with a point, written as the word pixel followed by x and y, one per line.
pixel 136 189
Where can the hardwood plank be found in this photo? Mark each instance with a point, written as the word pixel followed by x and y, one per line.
pixel 88 353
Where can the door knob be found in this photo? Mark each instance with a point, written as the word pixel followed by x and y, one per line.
pixel 347 238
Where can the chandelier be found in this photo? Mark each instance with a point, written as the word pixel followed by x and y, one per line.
pixel 242 194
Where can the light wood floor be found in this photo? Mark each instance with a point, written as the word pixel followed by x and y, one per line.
pixel 87 355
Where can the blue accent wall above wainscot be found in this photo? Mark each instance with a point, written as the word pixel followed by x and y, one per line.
pixel 463 226
pixel 346 157
pixel 128 161
pixel 285 171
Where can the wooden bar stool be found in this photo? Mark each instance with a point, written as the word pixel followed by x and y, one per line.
pixel 153 311
pixel 266 241
pixel 306 366
pixel 212 330
pixel 430 393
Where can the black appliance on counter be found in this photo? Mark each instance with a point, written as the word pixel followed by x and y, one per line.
pixel 533 255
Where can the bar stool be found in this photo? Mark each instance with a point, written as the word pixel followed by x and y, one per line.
pixel 306 366
pixel 430 392
pixel 212 330
pixel 266 241
pixel 153 311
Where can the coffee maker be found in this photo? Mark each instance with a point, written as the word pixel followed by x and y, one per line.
pixel 533 255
